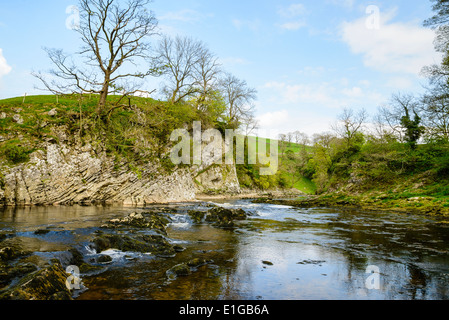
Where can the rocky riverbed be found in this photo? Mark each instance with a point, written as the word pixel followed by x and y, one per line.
pixel 230 249
pixel 26 275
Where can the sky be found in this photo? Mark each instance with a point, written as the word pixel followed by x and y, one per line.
pixel 307 59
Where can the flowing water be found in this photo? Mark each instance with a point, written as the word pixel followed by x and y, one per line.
pixel 278 253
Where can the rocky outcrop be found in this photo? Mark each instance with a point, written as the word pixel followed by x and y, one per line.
pixel 46 284
pixel 65 174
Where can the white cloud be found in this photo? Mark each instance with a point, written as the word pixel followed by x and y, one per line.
pixel 394 47
pixel 312 71
pixel 273 119
pixel 271 124
pixel 233 61
pixel 170 19
pixel 401 83
pixel 186 15
pixel 253 25
pixel 354 92
pixel 303 93
pixel 311 107
pixel 292 11
pixel 292 26
pixel 294 14
pixel 324 95
pixel 342 3
pixel 4 67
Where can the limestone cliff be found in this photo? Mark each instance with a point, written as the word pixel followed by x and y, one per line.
pixel 64 174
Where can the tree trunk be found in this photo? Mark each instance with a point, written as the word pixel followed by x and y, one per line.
pixel 103 95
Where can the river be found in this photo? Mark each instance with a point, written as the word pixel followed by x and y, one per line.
pixel 278 253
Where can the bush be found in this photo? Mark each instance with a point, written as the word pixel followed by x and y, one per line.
pixel 16 154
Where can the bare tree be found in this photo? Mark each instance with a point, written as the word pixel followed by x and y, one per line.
pixel 249 124
pixel 381 128
pixel 282 138
pixel 238 97
pixel 206 73
pixel 399 105
pixel 349 124
pixel 114 38
pixel 302 139
pixel 183 59
pixel 435 108
pixel 388 122
pixel 290 138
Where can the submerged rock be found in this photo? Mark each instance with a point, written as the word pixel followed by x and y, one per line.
pixel 9 273
pixel 180 270
pixel 196 215
pixel 104 259
pixel 198 262
pixel 77 257
pixel 186 269
pixel 41 231
pixel 12 251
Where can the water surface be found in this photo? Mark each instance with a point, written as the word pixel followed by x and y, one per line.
pixel 278 253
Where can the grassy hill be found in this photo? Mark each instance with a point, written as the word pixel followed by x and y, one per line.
pixel 288 175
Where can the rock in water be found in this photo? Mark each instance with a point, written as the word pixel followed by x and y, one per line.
pixel 196 215
pixel 179 270
pixel 45 284
pixel 151 220
pixel 154 244
pixel 224 218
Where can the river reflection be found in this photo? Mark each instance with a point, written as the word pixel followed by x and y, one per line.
pixel 279 253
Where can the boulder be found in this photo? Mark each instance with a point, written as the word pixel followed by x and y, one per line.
pixel 12 252
pixel 46 284
pixel 17 118
pixel 154 244
pixel 196 215
pixel 104 258
pixel 151 220
pixel 180 270
pixel 8 273
pixel 224 218
pixel 53 113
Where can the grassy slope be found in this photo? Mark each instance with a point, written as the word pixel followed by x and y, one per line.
pixel 302 183
pixel 34 111
pixel 78 115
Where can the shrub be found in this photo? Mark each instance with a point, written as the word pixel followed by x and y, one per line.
pixel 16 154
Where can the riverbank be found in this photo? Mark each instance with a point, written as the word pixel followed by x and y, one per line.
pixel 371 201
pixel 253 194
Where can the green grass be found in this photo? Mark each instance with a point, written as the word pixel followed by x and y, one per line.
pixel 34 112
pixel 300 183
pixel 305 185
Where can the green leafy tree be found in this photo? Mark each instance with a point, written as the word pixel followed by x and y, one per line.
pixel 413 129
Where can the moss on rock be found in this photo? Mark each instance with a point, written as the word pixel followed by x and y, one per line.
pixel 46 284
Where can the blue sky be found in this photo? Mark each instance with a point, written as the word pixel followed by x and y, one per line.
pixel 307 59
